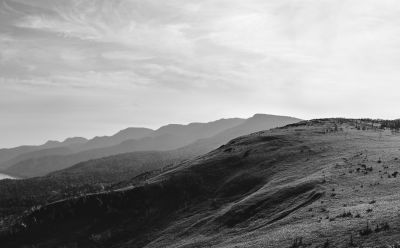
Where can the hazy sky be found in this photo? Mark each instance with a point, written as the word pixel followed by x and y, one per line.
pixel 86 67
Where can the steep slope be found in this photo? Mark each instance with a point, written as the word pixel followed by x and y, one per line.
pixel 321 183
pixel 235 196
pixel 165 138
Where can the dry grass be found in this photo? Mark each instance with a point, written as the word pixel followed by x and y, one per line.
pixel 324 183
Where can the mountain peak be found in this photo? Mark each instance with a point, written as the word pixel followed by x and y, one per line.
pixel 51 143
pixel 134 131
pixel 74 140
pixel 263 116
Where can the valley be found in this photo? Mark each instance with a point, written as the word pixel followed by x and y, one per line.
pixel 199 124
pixel 318 183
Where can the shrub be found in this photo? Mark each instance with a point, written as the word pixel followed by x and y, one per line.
pixel 351 241
pixel 345 215
pixel 382 227
pixel 326 244
pixel 297 242
pixel 366 230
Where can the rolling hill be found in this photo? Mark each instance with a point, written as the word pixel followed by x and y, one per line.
pixel 170 137
pixel 319 183
pixel 53 152
pixel 97 174
pixel 11 156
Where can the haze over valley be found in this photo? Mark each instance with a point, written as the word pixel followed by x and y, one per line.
pixel 190 124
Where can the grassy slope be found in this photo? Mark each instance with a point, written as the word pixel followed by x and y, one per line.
pixel 261 190
pixel 348 188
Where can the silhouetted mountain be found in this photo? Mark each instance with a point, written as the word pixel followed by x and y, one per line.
pixel 256 123
pixel 13 156
pixel 319 183
pixel 174 136
pixel 95 174
pixel 66 143
pixel 267 182
pixel 174 133
pixel 124 166
pixel 166 138
pixel 105 141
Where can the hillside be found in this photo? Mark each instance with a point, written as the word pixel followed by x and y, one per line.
pixel 96 174
pixel 40 160
pixel 85 177
pixel 256 123
pixel 7 154
pixel 12 156
pixel 37 154
pixel 102 167
pixel 321 183
pixel 121 167
pixel 169 137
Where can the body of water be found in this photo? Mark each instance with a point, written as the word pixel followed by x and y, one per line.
pixel 4 176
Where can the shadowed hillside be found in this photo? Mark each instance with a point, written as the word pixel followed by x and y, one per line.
pixel 100 174
pixel 169 137
pixel 321 183
pixel 86 177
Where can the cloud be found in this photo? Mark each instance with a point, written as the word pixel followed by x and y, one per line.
pixel 307 58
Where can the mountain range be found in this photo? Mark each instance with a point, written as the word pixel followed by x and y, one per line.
pixel 188 141
pixel 317 183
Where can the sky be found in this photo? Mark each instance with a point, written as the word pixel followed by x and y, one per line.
pixel 93 67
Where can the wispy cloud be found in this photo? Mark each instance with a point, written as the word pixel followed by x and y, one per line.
pixel 308 58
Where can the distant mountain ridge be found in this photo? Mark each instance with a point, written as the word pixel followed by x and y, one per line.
pixel 318 183
pixel 66 142
pixel 253 182
pixel 10 156
pixel 135 163
pixel 194 138
pixel 125 134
